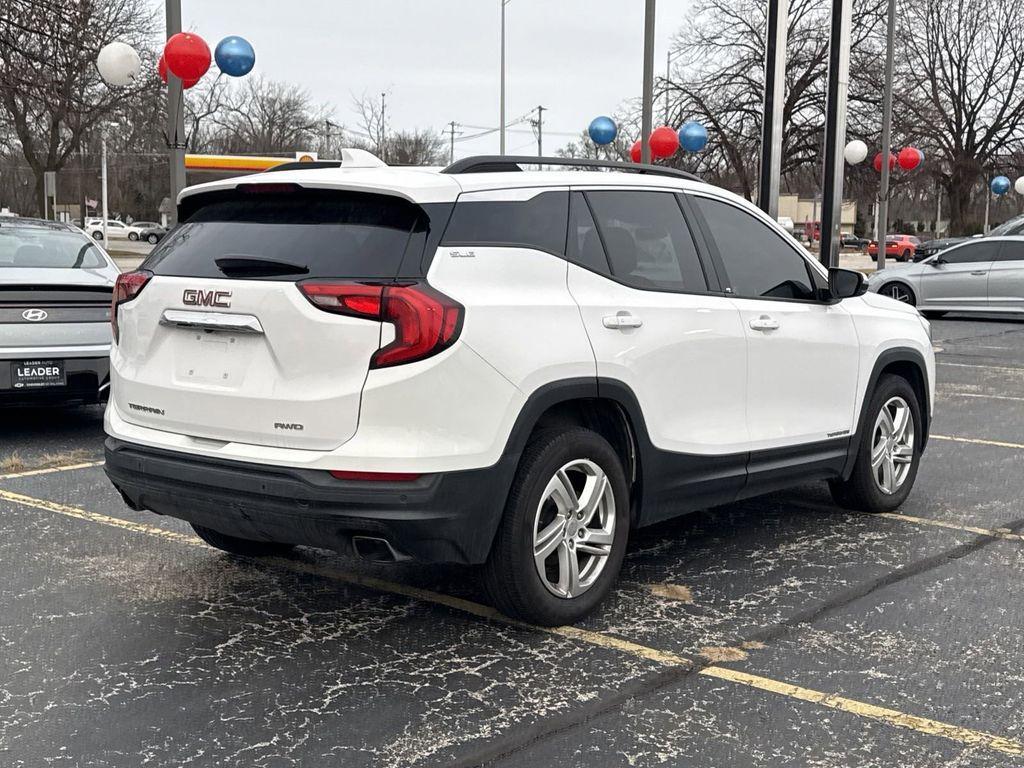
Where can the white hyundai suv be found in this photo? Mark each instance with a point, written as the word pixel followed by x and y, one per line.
pixel 494 366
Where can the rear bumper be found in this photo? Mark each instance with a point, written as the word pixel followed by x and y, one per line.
pixel 441 517
pixel 88 381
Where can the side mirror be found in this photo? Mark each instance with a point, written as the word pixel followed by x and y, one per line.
pixel 938 261
pixel 846 283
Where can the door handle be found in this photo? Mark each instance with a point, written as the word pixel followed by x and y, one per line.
pixel 622 320
pixel 980 272
pixel 764 323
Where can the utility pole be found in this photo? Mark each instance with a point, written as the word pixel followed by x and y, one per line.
pixel 501 115
pixel 648 86
pixel 938 206
pixel 175 122
pixel 381 132
pixel 774 101
pixel 103 181
pixel 883 186
pixel 539 123
pixel 451 152
pixel 835 130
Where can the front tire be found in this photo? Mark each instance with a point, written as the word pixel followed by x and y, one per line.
pixel 889 452
pixel 905 256
pixel 243 547
pixel 97 235
pixel 900 292
pixel 563 535
pixel 153 239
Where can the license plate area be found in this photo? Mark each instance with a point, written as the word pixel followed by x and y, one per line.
pixel 38 374
pixel 212 359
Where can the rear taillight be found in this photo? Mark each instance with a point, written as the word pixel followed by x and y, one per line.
pixel 426 321
pixel 127 287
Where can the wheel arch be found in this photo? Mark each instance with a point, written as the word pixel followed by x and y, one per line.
pixel 907 363
pixel 901 282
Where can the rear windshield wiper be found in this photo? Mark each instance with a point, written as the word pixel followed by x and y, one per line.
pixel 256 266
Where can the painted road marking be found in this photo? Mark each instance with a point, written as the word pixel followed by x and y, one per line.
pixel 892 717
pixel 49 470
pixel 975 394
pixel 967 736
pixel 988 367
pixel 979 441
pixel 990 532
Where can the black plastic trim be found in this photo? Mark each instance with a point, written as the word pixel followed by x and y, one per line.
pixel 511 163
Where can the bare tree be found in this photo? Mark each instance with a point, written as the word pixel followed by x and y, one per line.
pixel 50 90
pixel 960 90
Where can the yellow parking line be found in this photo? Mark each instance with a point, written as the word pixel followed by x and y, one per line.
pixel 48 470
pixel 966 736
pixel 993 533
pixel 979 441
pixel 893 717
pixel 979 395
pixel 987 367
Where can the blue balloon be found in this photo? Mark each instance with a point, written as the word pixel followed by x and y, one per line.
pixel 1000 185
pixel 693 136
pixel 235 56
pixel 603 130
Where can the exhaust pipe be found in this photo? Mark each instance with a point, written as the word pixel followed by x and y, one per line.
pixel 376 550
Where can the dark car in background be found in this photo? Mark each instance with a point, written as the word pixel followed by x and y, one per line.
pixel 1014 226
pixel 152 235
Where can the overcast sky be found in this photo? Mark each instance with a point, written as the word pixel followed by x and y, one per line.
pixel 438 59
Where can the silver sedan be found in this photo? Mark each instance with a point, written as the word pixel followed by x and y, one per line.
pixel 55 290
pixel 979 275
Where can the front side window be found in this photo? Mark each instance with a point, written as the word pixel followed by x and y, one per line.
pixel 759 263
pixel 538 222
pixel 647 240
pixel 972 252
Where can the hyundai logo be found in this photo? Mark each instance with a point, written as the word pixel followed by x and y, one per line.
pixel 34 315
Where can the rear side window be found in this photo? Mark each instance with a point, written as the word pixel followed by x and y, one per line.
pixel 759 263
pixel 585 246
pixel 282 235
pixel 1012 251
pixel 647 240
pixel 538 222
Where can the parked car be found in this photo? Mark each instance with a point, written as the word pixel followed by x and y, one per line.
pixel 507 368
pixel 136 228
pixel 56 287
pixel 929 248
pixel 849 240
pixel 984 274
pixel 153 234
pixel 899 247
pixel 116 230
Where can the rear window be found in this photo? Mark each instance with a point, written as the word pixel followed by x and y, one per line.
pixel 282 235
pixel 41 248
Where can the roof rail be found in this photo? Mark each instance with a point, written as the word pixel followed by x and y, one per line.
pixel 512 163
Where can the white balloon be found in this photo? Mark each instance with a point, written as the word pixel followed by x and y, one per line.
pixel 856 151
pixel 118 64
pixel 1018 185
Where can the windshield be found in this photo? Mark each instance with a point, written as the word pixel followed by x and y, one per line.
pixel 1014 226
pixel 40 248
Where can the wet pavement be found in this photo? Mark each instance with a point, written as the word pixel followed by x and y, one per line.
pixel 779 631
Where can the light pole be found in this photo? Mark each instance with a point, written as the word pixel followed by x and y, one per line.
pixel 648 88
pixel 103 181
pixel 776 33
pixel 883 187
pixel 835 130
pixel 501 116
pixel 175 118
pixel 669 58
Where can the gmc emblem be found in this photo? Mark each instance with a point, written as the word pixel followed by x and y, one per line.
pixel 193 297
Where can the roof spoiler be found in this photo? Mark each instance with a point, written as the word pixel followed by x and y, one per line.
pixel 350 158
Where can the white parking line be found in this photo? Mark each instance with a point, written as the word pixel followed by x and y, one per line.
pixel 948 393
pixel 979 441
pixel 988 367
pixel 50 470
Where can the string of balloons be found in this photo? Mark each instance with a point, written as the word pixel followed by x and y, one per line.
pixel 185 55
pixel 664 142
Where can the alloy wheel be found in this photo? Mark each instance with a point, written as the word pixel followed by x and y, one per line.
pixel 898 292
pixel 574 528
pixel 892 445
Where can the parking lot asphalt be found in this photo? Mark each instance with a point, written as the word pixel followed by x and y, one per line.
pixel 777 631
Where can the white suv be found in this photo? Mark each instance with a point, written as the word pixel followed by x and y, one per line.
pixel 495 366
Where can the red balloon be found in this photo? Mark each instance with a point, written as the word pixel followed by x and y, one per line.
pixel 878 162
pixel 910 158
pixel 187 56
pixel 161 67
pixel 664 142
pixel 635 152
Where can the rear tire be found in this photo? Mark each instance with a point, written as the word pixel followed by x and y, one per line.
pixel 905 256
pixel 97 235
pixel 883 484
pixel 153 239
pixel 132 236
pixel 243 547
pixel 590 535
